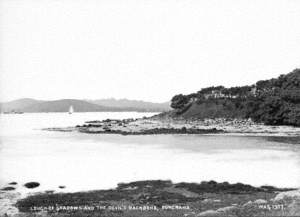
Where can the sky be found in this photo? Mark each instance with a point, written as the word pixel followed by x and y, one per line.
pixel 142 49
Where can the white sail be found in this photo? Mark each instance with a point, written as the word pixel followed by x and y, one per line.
pixel 71 110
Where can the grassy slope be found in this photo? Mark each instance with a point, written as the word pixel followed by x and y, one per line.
pixel 212 108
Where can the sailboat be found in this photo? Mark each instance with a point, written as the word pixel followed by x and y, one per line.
pixel 71 110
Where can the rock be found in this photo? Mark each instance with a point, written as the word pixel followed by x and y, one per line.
pixel 8 189
pixel 32 185
pixel 292 201
pixel 288 195
pixel 260 201
pixel 226 209
pixel 7 203
pixel 218 212
pixel 209 213
pixel 13 183
pixel 189 214
pixel 294 208
pixel 249 203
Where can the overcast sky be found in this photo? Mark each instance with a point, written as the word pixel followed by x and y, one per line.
pixel 142 49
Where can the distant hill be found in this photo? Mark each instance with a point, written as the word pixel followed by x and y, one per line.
pixel 138 105
pixel 18 105
pixel 106 105
pixel 63 106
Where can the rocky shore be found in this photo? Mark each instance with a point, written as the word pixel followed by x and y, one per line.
pixel 159 125
pixel 153 198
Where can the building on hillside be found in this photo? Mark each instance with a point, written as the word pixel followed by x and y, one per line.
pixel 253 91
pixel 193 99
pixel 214 94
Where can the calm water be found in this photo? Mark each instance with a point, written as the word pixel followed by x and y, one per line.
pixel 84 161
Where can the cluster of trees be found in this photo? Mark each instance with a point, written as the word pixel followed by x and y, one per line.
pixel 232 91
pixel 180 101
pixel 275 101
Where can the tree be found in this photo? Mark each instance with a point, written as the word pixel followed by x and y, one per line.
pixel 179 101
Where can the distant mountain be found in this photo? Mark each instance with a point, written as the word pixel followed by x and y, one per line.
pixel 137 105
pixel 18 105
pixel 106 105
pixel 63 106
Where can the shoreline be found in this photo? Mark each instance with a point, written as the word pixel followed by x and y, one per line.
pixel 165 197
pixel 157 125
